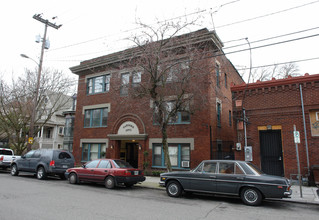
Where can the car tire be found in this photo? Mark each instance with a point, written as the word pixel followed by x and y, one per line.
pixel 14 170
pixel 251 196
pixel 174 189
pixel 109 182
pixel 73 178
pixel 41 174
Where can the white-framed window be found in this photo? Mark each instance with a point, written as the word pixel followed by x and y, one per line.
pixel 136 78
pixel 317 116
pixel 125 80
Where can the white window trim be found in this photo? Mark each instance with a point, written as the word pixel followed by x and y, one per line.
pixel 317 116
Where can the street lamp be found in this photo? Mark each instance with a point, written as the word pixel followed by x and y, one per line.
pixel 35 103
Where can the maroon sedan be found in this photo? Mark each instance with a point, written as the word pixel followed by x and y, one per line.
pixel 111 172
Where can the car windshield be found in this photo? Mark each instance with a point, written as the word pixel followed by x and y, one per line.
pixel 256 169
pixel 121 164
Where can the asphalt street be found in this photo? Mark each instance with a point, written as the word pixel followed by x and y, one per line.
pixel 25 197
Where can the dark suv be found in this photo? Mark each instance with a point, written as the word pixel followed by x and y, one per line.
pixel 44 162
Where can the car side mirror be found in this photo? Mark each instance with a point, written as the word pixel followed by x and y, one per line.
pixel 23 157
pixel 83 166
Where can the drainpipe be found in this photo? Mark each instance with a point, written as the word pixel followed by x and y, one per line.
pixel 304 127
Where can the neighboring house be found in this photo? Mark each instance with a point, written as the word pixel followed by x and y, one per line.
pixel 109 124
pixel 69 126
pixel 51 134
pixel 272 108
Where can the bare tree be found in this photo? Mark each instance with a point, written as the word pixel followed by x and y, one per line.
pixel 277 72
pixel 17 103
pixel 169 64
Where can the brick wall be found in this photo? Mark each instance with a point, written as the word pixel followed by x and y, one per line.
pixel 277 103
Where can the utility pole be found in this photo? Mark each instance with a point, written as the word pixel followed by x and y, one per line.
pixel 32 122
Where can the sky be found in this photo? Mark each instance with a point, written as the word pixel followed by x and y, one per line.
pixel 98 27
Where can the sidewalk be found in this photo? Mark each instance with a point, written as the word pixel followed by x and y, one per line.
pixel 309 194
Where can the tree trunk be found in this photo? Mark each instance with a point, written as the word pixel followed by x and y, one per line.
pixel 165 149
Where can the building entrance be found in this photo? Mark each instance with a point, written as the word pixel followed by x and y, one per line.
pixel 271 152
pixel 129 153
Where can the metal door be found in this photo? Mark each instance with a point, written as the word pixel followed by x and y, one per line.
pixel 271 152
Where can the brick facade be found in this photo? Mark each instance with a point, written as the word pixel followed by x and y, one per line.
pixel 199 133
pixel 276 106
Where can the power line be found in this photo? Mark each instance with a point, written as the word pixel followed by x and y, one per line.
pixel 125 31
pixel 270 38
pixel 293 61
pixel 266 15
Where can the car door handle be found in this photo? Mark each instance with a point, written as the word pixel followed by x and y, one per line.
pixel 106 171
pixel 92 170
pixel 212 177
pixel 240 178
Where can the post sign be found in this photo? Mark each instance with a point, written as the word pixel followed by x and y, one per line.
pixel 30 140
pixel 297 137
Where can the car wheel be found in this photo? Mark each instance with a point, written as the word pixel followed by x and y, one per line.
pixel 109 182
pixel 73 178
pixel 41 174
pixel 174 189
pixel 251 196
pixel 14 170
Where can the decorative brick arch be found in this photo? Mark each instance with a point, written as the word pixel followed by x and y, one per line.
pixel 129 117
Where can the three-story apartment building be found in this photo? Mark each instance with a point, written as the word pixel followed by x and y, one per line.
pixel 114 121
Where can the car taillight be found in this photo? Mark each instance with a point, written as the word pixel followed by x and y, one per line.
pixel 1 158
pixel 52 163
pixel 127 173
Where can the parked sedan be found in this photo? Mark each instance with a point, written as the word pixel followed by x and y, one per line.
pixel 111 172
pixel 227 177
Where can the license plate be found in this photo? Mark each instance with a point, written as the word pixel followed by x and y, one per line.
pixel 135 172
pixel 65 166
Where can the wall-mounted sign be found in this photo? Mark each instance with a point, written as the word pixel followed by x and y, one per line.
pixel 128 128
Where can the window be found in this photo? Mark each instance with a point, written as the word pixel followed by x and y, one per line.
pixel 105 164
pixel 182 117
pixel 226 168
pixel 177 154
pixel 225 80
pixel 218 114
pixel 92 164
pixel 209 167
pixel 136 78
pixel 95 117
pixel 98 84
pixel 125 80
pixel 317 116
pixel 217 75
pixel 230 118
pixel 93 151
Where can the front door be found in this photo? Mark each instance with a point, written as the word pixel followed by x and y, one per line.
pixel 271 152
pixel 132 154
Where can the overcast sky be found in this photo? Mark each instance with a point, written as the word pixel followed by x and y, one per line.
pixel 99 27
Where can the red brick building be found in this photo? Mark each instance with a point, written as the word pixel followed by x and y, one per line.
pixel 272 108
pixel 109 123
